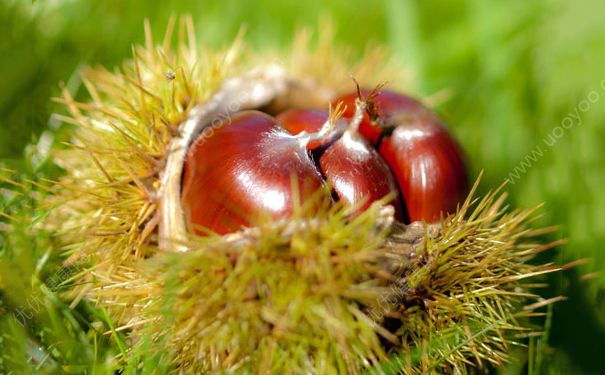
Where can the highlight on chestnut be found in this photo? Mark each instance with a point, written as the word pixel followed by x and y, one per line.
pixel 372 145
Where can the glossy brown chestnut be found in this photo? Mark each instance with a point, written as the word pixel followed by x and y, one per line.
pixel 358 174
pixel 427 161
pixel 242 171
pixel 429 166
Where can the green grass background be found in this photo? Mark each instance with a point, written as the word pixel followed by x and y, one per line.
pixel 513 72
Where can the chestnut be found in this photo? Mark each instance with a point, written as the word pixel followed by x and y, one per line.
pixel 245 169
pixel 428 163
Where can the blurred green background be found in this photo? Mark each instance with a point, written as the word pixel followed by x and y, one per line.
pixel 525 82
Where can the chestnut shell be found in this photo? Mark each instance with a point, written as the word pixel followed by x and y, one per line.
pixel 245 169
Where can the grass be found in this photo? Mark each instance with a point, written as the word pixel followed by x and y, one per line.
pixel 505 74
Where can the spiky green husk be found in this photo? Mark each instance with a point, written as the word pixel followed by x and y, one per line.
pixel 464 287
pixel 308 295
pixel 288 298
